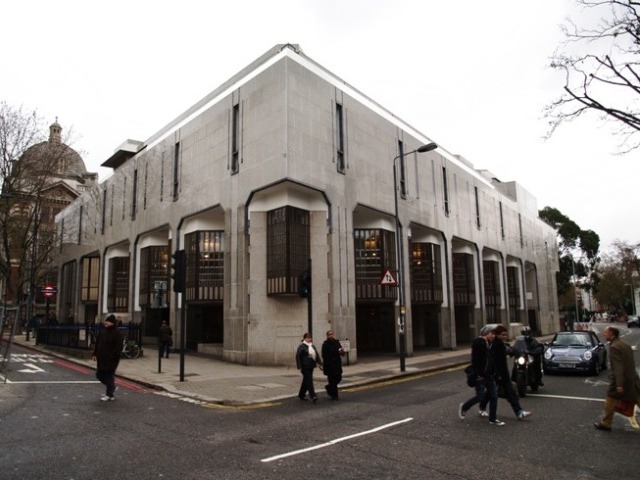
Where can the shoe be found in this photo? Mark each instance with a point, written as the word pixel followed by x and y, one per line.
pixel 461 411
pixel 523 414
pixel 304 399
pixel 599 426
pixel 483 413
pixel 496 422
pixel 106 398
pixel 314 399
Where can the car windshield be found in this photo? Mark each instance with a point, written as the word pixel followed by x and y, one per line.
pixel 571 341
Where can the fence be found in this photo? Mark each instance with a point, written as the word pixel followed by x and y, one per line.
pixel 82 337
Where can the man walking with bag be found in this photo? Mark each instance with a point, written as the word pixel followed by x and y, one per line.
pixel 624 383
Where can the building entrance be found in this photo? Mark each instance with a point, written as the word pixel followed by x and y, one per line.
pixel 375 328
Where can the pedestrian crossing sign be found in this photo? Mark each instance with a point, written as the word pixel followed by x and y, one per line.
pixel 388 279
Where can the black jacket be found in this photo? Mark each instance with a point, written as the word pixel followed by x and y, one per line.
pixel 304 361
pixel 108 348
pixel 481 358
pixel 332 363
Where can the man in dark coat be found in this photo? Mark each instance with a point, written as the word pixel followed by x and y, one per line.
pixel 484 369
pixel 624 383
pixel 165 339
pixel 332 364
pixel 503 379
pixel 307 357
pixel 107 353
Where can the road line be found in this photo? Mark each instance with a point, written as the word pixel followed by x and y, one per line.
pixel 565 397
pixel 337 440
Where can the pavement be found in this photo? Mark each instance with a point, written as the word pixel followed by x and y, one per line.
pixel 210 380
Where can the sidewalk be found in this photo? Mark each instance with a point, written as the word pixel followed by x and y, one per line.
pixel 215 381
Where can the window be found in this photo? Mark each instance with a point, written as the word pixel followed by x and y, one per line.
pixel 134 194
pixel 104 211
pixel 403 173
pixel 146 179
pixel 513 288
pixel 375 251
pixel 426 273
pixel 176 171
pixel 340 159
pixel 520 230
pixel 235 139
pixel 288 248
pixel 464 287
pixel 118 286
pixel 501 221
pixel 80 215
pixel 491 278
pixel 90 279
pixel 154 267
pixel 445 191
pixel 475 191
pixel 205 265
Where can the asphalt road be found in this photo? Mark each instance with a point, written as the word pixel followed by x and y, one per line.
pixel 53 426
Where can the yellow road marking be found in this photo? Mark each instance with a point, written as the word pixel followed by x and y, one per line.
pixel 395 381
pixel 217 406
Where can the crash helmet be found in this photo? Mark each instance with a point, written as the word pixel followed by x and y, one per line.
pixel 526 331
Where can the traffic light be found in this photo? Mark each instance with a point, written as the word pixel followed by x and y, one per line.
pixel 178 270
pixel 304 284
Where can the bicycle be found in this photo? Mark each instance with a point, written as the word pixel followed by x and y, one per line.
pixel 130 349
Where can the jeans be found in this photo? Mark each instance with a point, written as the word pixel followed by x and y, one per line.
pixel 509 394
pixel 489 387
pixel 108 378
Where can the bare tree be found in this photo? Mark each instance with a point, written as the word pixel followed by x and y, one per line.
pixel 600 60
pixel 27 235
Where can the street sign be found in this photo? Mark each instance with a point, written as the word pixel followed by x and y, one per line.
pixel 49 291
pixel 388 279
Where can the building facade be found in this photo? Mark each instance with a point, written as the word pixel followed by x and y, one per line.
pixel 283 169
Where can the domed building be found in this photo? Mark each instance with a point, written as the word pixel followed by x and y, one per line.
pixel 44 180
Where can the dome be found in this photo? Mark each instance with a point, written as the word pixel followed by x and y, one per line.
pixel 66 162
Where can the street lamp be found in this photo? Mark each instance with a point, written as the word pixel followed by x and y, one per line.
pixel 400 254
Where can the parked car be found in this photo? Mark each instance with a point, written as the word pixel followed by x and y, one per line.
pixel 633 321
pixel 575 352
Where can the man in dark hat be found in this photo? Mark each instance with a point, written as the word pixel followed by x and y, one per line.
pixel 107 354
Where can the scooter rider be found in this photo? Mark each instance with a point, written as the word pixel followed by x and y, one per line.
pixel 535 349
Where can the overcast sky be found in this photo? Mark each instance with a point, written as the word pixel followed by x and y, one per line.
pixel 472 76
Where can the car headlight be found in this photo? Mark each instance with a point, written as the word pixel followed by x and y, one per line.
pixel 548 355
pixel 521 361
pixel 588 355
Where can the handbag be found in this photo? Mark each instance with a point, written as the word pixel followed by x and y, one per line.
pixel 471 376
pixel 624 407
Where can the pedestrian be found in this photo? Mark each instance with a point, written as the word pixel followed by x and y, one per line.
pixel 165 339
pixel 307 357
pixel 332 352
pixel 624 383
pixel 503 379
pixel 107 354
pixel 484 370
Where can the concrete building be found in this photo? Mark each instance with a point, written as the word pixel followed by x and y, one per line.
pixel 287 166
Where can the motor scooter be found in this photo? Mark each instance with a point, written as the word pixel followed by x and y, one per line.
pixel 527 367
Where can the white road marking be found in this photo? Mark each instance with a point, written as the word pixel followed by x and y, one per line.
pixel 566 397
pixel 333 442
pixel 32 368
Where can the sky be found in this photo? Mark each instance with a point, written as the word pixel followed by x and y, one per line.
pixel 472 76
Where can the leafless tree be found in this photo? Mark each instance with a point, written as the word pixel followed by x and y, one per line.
pixel 27 235
pixel 600 58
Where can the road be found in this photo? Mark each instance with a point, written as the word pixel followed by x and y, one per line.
pixel 53 426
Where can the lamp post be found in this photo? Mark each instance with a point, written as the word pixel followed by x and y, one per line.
pixel 400 254
pixel 633 297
